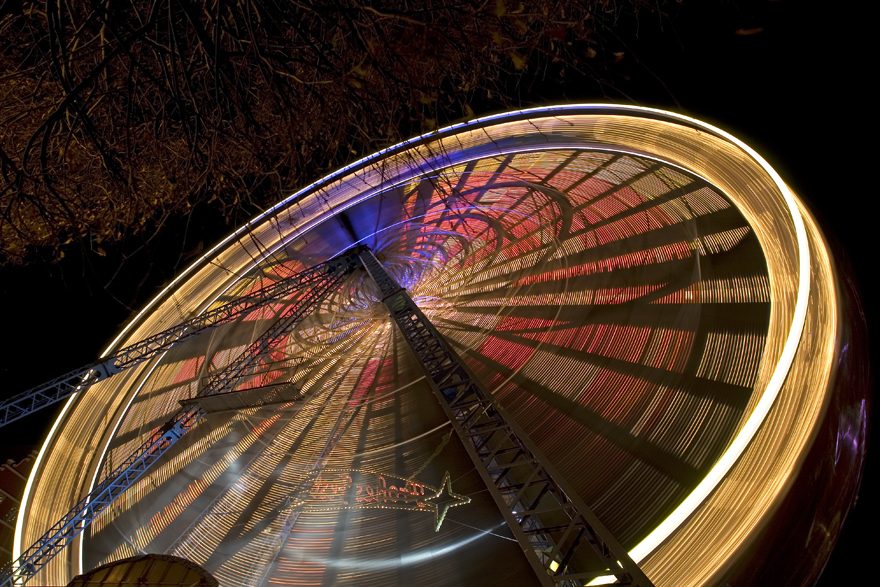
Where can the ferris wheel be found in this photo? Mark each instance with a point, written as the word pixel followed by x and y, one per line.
pixel 576 345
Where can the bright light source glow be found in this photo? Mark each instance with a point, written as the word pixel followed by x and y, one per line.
pixel 557 233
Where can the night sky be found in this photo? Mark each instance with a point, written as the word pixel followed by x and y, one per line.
pixel 788 78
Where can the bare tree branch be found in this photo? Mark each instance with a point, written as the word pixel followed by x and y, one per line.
pixel 115 116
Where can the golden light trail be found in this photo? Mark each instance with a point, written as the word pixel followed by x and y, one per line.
pixel 547 227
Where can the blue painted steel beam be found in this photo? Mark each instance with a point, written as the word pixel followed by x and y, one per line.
pixel 324 280
pixel 48 393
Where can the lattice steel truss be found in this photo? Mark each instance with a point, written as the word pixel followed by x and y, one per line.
pixel 547 517
pixel 44 395
pixel 321 280
pixel 556 530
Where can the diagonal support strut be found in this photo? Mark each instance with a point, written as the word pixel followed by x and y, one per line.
pixel 46 394
pixel 563 540
pixel 328 278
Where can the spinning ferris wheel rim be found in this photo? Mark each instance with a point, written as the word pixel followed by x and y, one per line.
pixel 512 116
pixel 785 357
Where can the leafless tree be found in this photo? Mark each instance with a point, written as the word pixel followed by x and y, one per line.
pixel 116 115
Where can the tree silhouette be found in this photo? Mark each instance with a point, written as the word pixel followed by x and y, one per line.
pixel 116 115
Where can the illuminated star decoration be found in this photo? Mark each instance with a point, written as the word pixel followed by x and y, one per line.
pixel 440 504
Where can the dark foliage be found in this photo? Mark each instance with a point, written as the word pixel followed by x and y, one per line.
pixel 117 115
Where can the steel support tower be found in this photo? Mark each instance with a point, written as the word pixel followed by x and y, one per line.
pixel 321 281
pixel 555 529
pixel 548 519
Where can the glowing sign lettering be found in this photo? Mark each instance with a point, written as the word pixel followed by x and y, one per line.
pixel 338 489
